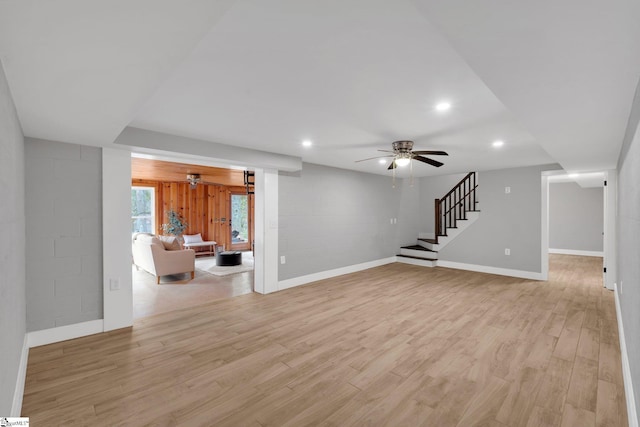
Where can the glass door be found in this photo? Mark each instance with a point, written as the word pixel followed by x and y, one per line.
pixel 240 225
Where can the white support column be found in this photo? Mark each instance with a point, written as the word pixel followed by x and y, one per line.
pixel 610 227
pixel 266 231
pixel 544 242
pixel 116 238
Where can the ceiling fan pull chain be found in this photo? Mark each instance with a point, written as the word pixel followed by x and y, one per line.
pixel 393 182
pixel 411 173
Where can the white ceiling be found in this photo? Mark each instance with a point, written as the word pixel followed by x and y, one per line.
pixel 78 70
pixel 554 81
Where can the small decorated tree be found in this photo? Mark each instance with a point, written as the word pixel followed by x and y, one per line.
pixel 176 225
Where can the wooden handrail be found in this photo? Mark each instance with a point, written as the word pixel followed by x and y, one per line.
pixel 462 199
pixel 437 216
pixel 455 204
pixel 457 185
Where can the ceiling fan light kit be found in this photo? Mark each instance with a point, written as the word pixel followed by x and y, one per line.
pixel 194 179
pixel 403 161
pixel 402 155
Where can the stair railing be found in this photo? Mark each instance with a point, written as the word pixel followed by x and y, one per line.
pixel 454 205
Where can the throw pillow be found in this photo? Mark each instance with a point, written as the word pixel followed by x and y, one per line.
pixel 192 238
pixel 170 243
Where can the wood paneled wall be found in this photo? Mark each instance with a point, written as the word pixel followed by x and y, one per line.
pixel 205 208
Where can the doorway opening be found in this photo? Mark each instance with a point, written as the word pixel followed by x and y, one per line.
pixel 579 217
pixel 174 209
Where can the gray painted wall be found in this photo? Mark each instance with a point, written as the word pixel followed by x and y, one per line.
pixel 628 249
pixel 576 217
pixel 409 218
pixel 506 221
pixel 12 252
pixel 432 188
pixel 331 218
pixel 64 233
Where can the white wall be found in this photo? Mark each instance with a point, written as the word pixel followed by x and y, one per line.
pixel 64 233
pixel 155 142
pixel 12 252
pixel 116 216
pixel 576 217
pixel 266 231
pixel 628 249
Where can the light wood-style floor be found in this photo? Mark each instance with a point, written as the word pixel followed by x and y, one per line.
pixel 179 291
pixel 397 345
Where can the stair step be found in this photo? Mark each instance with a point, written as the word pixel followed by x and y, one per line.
pixel 432 241
pixel 418 248
pixel 417 251
pixel 417 257
pixel 422 262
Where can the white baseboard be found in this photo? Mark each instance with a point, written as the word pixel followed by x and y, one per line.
pixel 303 280
pixel 576 252
pixel 492 270
pixel 18 394
pixel 63 333
pixel 632 413
pixel 420 262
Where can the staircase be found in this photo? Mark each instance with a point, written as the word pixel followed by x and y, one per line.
pixel 454 212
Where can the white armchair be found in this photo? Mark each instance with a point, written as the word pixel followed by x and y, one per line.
pixel 149 253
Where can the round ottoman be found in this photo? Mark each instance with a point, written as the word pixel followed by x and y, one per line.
pixel 228 258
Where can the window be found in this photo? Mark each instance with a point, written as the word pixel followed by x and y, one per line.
pixel 143 203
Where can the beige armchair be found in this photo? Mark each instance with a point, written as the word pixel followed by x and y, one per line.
pixel 150 254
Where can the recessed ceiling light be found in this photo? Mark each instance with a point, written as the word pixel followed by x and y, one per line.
pixel 498 143
pixel 443 106
pixel 382 161
pixel 307 143
pixel 574 175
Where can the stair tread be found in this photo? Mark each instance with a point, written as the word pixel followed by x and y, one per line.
pixel 417 257
pixel 418 248
pixel 433 241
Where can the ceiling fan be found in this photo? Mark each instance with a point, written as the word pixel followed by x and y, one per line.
pixel 403 154
pixel 194 179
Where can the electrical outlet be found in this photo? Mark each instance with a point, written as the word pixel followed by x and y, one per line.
pixel 507 251
pixel 114 284
pixel 507 190
pixel 283 260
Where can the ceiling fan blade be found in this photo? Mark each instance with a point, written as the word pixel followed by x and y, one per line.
pixel 433 153
pixel 392 165
pixel 429 161
pixel 371 158
pixel 387 151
